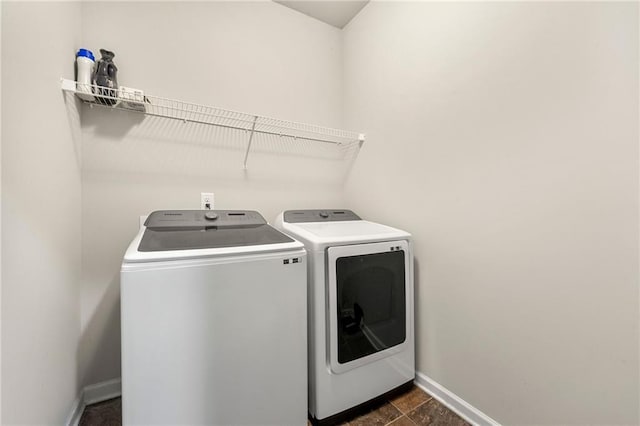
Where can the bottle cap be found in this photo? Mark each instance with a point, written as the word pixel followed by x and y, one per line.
pixel 86 53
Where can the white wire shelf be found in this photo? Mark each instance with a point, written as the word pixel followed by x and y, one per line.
pixel 253 126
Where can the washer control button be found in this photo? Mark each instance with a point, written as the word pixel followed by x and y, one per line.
pixel 324 215
pixel 211 215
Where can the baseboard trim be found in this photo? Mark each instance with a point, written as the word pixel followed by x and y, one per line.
pixel 92 394
pixel 453 401
pixel 102 391
pixel 76 412
pixel 113 388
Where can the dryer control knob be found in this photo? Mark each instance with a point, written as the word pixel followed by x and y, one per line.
pixel 324 215
pixel 210 215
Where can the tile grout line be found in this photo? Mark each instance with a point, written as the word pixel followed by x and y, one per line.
pixel 394 405
pixel 403 414
pixel 398 418
pixel 420 405
pixel 411 420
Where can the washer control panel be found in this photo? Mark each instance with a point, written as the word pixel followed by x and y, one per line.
pixel 185 219
pixel 168 230
pixel 324 215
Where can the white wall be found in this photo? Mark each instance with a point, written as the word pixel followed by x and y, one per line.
pixel 0 215
pixel 257 57
pixel 40 215
pixel 504 136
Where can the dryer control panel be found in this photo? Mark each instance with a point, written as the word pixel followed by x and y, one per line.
pixel 326 215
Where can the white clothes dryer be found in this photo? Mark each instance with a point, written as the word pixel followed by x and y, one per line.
pixel 361 326
pixel 213 317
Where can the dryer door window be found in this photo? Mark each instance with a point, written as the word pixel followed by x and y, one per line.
pixel 368 293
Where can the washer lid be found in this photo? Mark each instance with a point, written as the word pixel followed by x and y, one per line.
pixel 169 230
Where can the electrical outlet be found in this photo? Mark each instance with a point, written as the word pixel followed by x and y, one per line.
pixel 206 200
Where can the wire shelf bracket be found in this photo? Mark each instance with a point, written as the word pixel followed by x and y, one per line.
pixel 246 154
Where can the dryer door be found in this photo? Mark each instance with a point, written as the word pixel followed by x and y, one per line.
pixel 369 302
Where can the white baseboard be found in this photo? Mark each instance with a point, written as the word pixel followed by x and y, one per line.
pixel 102 391
pixel 90 395
pixel 113 388
pixel 453 401
pixel 76 412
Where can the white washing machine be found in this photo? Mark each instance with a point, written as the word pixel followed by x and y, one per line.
pixel 213 312
pixel 361 329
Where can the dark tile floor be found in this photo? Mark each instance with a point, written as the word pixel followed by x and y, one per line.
pixel 106 413
pixel 412 408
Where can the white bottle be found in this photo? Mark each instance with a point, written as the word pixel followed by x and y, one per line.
pixel 86 64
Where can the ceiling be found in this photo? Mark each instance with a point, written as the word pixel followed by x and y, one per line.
pixel 333 12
